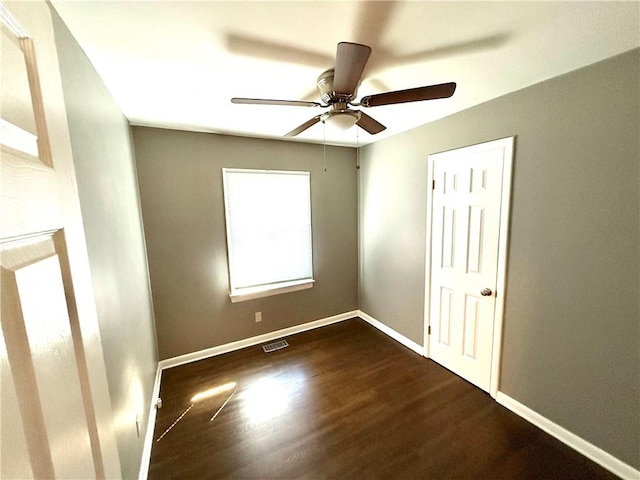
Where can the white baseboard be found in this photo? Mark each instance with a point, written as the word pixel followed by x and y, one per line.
pixel 230 347
pixel 151 423
pixel 416 347
pixel 219 350
pixel 587 449
pixel 248 342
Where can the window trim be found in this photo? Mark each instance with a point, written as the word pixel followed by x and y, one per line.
pixel 249 293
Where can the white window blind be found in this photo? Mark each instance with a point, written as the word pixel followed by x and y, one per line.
pixel 268 215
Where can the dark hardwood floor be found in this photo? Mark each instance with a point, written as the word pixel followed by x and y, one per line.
pixel 346 402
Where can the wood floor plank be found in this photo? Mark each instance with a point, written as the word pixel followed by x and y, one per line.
pixel 345 401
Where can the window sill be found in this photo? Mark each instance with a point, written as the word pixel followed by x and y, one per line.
pixel 267 291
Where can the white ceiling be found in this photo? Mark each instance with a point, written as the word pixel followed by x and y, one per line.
pixel 177 64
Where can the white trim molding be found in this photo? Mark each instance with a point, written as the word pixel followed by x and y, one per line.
pixel 244 294
pixel 230 347
pixel 508 145
pixel 248 342
pixel 582 446
pixel 210 352
pixel 398 337
pixel 151 423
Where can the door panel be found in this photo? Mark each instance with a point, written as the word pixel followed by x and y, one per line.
pixel 464 241
pixel 35 320
pixel 470 328
pixel 446 309
pixel 49 427
pixel 13 453
pixel 449 237
pixel 475 242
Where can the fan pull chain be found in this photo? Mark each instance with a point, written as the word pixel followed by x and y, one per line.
pixel 357 149
pixel 324 145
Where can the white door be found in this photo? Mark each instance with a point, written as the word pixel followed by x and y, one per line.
pixel 466 219
pixel 49 427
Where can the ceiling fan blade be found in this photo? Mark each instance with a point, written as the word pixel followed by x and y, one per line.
pixel 432 92
pixel 264 101
pixel 351 59
pixel 303 127
pixel 369 124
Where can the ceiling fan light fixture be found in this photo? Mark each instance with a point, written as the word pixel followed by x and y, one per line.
pixel 340 119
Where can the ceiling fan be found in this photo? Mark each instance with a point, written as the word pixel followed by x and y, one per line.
pixel 338 87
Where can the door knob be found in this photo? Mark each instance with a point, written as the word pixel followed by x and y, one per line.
pixel 486 292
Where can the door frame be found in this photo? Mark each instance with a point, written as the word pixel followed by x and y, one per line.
pixel 508 145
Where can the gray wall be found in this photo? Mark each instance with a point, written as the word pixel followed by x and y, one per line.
pixel 107 184
pixel 180 181
pixel 572 324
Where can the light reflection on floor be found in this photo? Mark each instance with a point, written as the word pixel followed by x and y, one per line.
pixel 212 392
pixel 270 396
pixel 260 400
pixel 264 400
pixel 268 405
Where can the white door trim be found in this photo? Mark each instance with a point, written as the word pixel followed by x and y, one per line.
pixel 503 242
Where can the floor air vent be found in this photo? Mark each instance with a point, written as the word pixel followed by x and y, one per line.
pixel 272 347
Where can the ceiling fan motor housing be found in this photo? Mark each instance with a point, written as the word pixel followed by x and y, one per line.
pixel 327 94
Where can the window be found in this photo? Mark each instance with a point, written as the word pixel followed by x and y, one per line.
pixel 268 216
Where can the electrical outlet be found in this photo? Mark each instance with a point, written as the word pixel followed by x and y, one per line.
pixel 258 317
